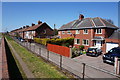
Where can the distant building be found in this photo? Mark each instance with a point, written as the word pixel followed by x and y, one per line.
pixel 41 30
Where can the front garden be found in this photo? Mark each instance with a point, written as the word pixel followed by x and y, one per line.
pixel 67 42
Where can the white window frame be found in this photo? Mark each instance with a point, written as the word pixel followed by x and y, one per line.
pixel 59 32
pixel 84 32
pixel 63 32
pixel 77 31
pixel 98 31
pixel 87 41
pixel 68 32
pixel 76 41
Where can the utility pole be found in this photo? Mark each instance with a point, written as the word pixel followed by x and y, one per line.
pixel 54 29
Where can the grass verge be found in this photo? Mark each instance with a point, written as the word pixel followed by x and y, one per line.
pixel 38 67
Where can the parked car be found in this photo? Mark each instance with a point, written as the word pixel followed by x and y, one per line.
pixel 110 56
pixel 93 51
pixel 21 39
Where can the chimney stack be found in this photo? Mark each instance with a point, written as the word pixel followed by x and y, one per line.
pixel 39 22
pixel 23 26
pixel 27 26
pixel 33 24
pixel 81 17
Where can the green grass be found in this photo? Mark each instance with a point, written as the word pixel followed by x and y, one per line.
pixel 19 66
pixel 38 67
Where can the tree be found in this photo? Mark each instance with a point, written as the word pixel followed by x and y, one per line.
pixel 55 32
pixel 111 21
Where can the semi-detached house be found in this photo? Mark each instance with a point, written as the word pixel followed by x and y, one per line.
pixel 90 32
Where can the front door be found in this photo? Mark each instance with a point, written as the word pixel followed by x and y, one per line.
pixel 98 44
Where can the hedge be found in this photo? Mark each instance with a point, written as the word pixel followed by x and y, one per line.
pixel 61 42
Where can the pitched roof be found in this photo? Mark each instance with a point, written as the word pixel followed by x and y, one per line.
pixel 34 27
pixel 115 35
pixel 88 23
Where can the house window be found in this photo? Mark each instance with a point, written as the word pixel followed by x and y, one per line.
pixel 77 41
pixel 85 31
pixel 98 31
pixel 63 32
pixel 58 32
pixel 44 31
pixel 68 32
pixel 85 42
pixel 77 31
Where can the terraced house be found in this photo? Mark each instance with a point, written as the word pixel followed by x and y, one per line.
pixel 91 32
pixel 40 30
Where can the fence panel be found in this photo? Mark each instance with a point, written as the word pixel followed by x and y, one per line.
pixel 64 51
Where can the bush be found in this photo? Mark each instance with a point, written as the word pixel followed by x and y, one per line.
pixel 62 42
pixel 81 47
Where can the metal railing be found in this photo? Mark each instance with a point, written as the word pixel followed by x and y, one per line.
pixel 80 70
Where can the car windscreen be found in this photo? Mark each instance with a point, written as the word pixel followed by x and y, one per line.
pixel 115 51
pixel 91 49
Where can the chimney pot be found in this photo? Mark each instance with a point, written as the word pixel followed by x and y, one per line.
pixel 27 25
pixel 39 22
pixel 33 24
pixel 81 17
pixel 23 26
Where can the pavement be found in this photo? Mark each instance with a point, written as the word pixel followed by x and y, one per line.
pixel 95 61
pixel 24 66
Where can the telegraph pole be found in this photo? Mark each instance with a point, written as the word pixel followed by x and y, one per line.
pixel 54 29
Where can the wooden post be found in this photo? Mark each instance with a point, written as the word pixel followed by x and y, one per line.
pixel 61 62
pixel 83 71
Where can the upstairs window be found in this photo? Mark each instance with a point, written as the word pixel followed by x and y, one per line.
pixel 63 32
pixel 98 31
pixel 85 31
pixel 77 41
pixel 68 32
pixel 59 32
pixel 77 31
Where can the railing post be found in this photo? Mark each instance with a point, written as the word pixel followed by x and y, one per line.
pixel 61 62
pixel 34 48
pixel 40 51
pixel 30 46
pixel 47 55
pixel 83 71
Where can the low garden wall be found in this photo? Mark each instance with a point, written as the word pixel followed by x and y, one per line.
pixel 64 51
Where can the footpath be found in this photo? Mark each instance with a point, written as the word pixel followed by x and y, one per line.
pixel 26 70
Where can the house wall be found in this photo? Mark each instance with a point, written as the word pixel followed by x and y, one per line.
pixel 91 34
pixel 108 32
pixel 44 31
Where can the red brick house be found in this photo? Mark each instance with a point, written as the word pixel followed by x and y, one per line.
pixel 88 32
pixel 40 30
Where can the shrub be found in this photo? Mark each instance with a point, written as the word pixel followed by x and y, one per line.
pixel 81 47
pixel 62 42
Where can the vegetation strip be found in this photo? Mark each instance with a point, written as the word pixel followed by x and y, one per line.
pixel 23 64
pixel 38 67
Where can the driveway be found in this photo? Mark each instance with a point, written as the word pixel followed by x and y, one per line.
pixel 95 61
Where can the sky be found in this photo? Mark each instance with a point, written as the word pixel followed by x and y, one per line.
pixel 18 14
